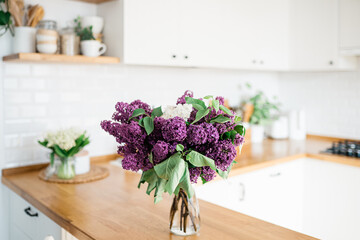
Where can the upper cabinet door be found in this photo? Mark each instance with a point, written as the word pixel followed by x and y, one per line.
pixel 313 34
pixel 212 33
pixel 349 19
pixel 234 33
pixel 150 32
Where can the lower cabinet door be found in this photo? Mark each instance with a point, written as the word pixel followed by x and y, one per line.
pixel 28 221
pixel 17 234
pixel 46 227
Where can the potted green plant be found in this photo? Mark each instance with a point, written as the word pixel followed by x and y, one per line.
pixel 64 145
pixel 264 112
pixel 88 44
pixel 6 29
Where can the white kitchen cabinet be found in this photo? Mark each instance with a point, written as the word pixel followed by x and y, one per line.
pixel 277 35
pixel 151 32
pixel 26 222
pixel 349 20
pixel 314 36
pixel 273 194
pixel 198 33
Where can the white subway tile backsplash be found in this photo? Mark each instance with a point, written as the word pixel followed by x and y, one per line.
pixel 10 83
pixel 11 69
pixel 41 70
pixel 18 97
pixel 70 97
pixel 11 112
pixel 32 83
pixel 41 97
pixel 33 111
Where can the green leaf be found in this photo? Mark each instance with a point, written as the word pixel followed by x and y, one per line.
pixel 52 158
pixel 151 178
pixel 151 158
pixel 43 143
pixel 220 119
pixel 138 112
pixel 172 169
pixel 148 125
pixel 240 129
pixel 160 189
pixel 190 100
pixel 226 110
pixel 4 18
pixel 200 114
pixel 225 135
pixel 179 147
pixel 185 183
pixel 199 160
pixel 237 119
pixel 157 112
pixel 164 169
pixel 225 174
pixel 141 123
pixel 197 106
pixel 59 151
pixel 208 97
pixel 216 105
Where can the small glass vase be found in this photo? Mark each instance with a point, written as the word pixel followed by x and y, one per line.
pixel 65 167
pixel 184 215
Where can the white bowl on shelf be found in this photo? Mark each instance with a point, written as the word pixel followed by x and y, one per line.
pixel 96 22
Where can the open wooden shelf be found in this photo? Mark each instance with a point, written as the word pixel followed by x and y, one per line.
pixel 59 58
pixel 94 1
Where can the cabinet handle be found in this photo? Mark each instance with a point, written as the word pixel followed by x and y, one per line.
pixel 275 174
pixel 30 213
pixel 173 56
pixel 186 57
pixel 254 61
pixel 331 63
pixel 242 192
pixel 261 62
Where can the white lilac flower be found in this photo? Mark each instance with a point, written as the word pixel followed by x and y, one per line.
pixel 182 110
pixel 64 138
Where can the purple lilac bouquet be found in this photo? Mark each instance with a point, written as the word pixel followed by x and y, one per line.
pixel 176 147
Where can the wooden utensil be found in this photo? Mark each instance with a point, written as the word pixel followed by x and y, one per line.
pixel 36 13
pixel 30 14
pixel 15 12
pixel 20 4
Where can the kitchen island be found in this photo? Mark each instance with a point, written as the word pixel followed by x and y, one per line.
pixel 114 208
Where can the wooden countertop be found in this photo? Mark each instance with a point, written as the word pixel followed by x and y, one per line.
pixel 114 208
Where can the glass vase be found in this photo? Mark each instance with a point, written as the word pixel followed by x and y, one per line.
pixel 65 168
pixel 184 214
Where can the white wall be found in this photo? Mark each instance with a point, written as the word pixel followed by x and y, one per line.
pixel 330 100
pixel 38 97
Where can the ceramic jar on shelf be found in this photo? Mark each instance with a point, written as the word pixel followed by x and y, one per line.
pixel 47 37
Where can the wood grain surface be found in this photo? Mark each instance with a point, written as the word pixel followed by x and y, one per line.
pixel 114 208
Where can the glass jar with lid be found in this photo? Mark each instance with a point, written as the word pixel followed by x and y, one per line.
pixel 69 42
pixel 47 38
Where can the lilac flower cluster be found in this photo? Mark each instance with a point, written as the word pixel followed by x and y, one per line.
pixel 142 151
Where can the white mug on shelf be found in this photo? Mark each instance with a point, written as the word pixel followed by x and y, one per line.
pixel 24 40
pixel 92 48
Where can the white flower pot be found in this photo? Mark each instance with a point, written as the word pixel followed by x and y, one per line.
pixel 257 133
pixel 6 41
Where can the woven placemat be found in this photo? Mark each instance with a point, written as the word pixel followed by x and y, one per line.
pixel 95 173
